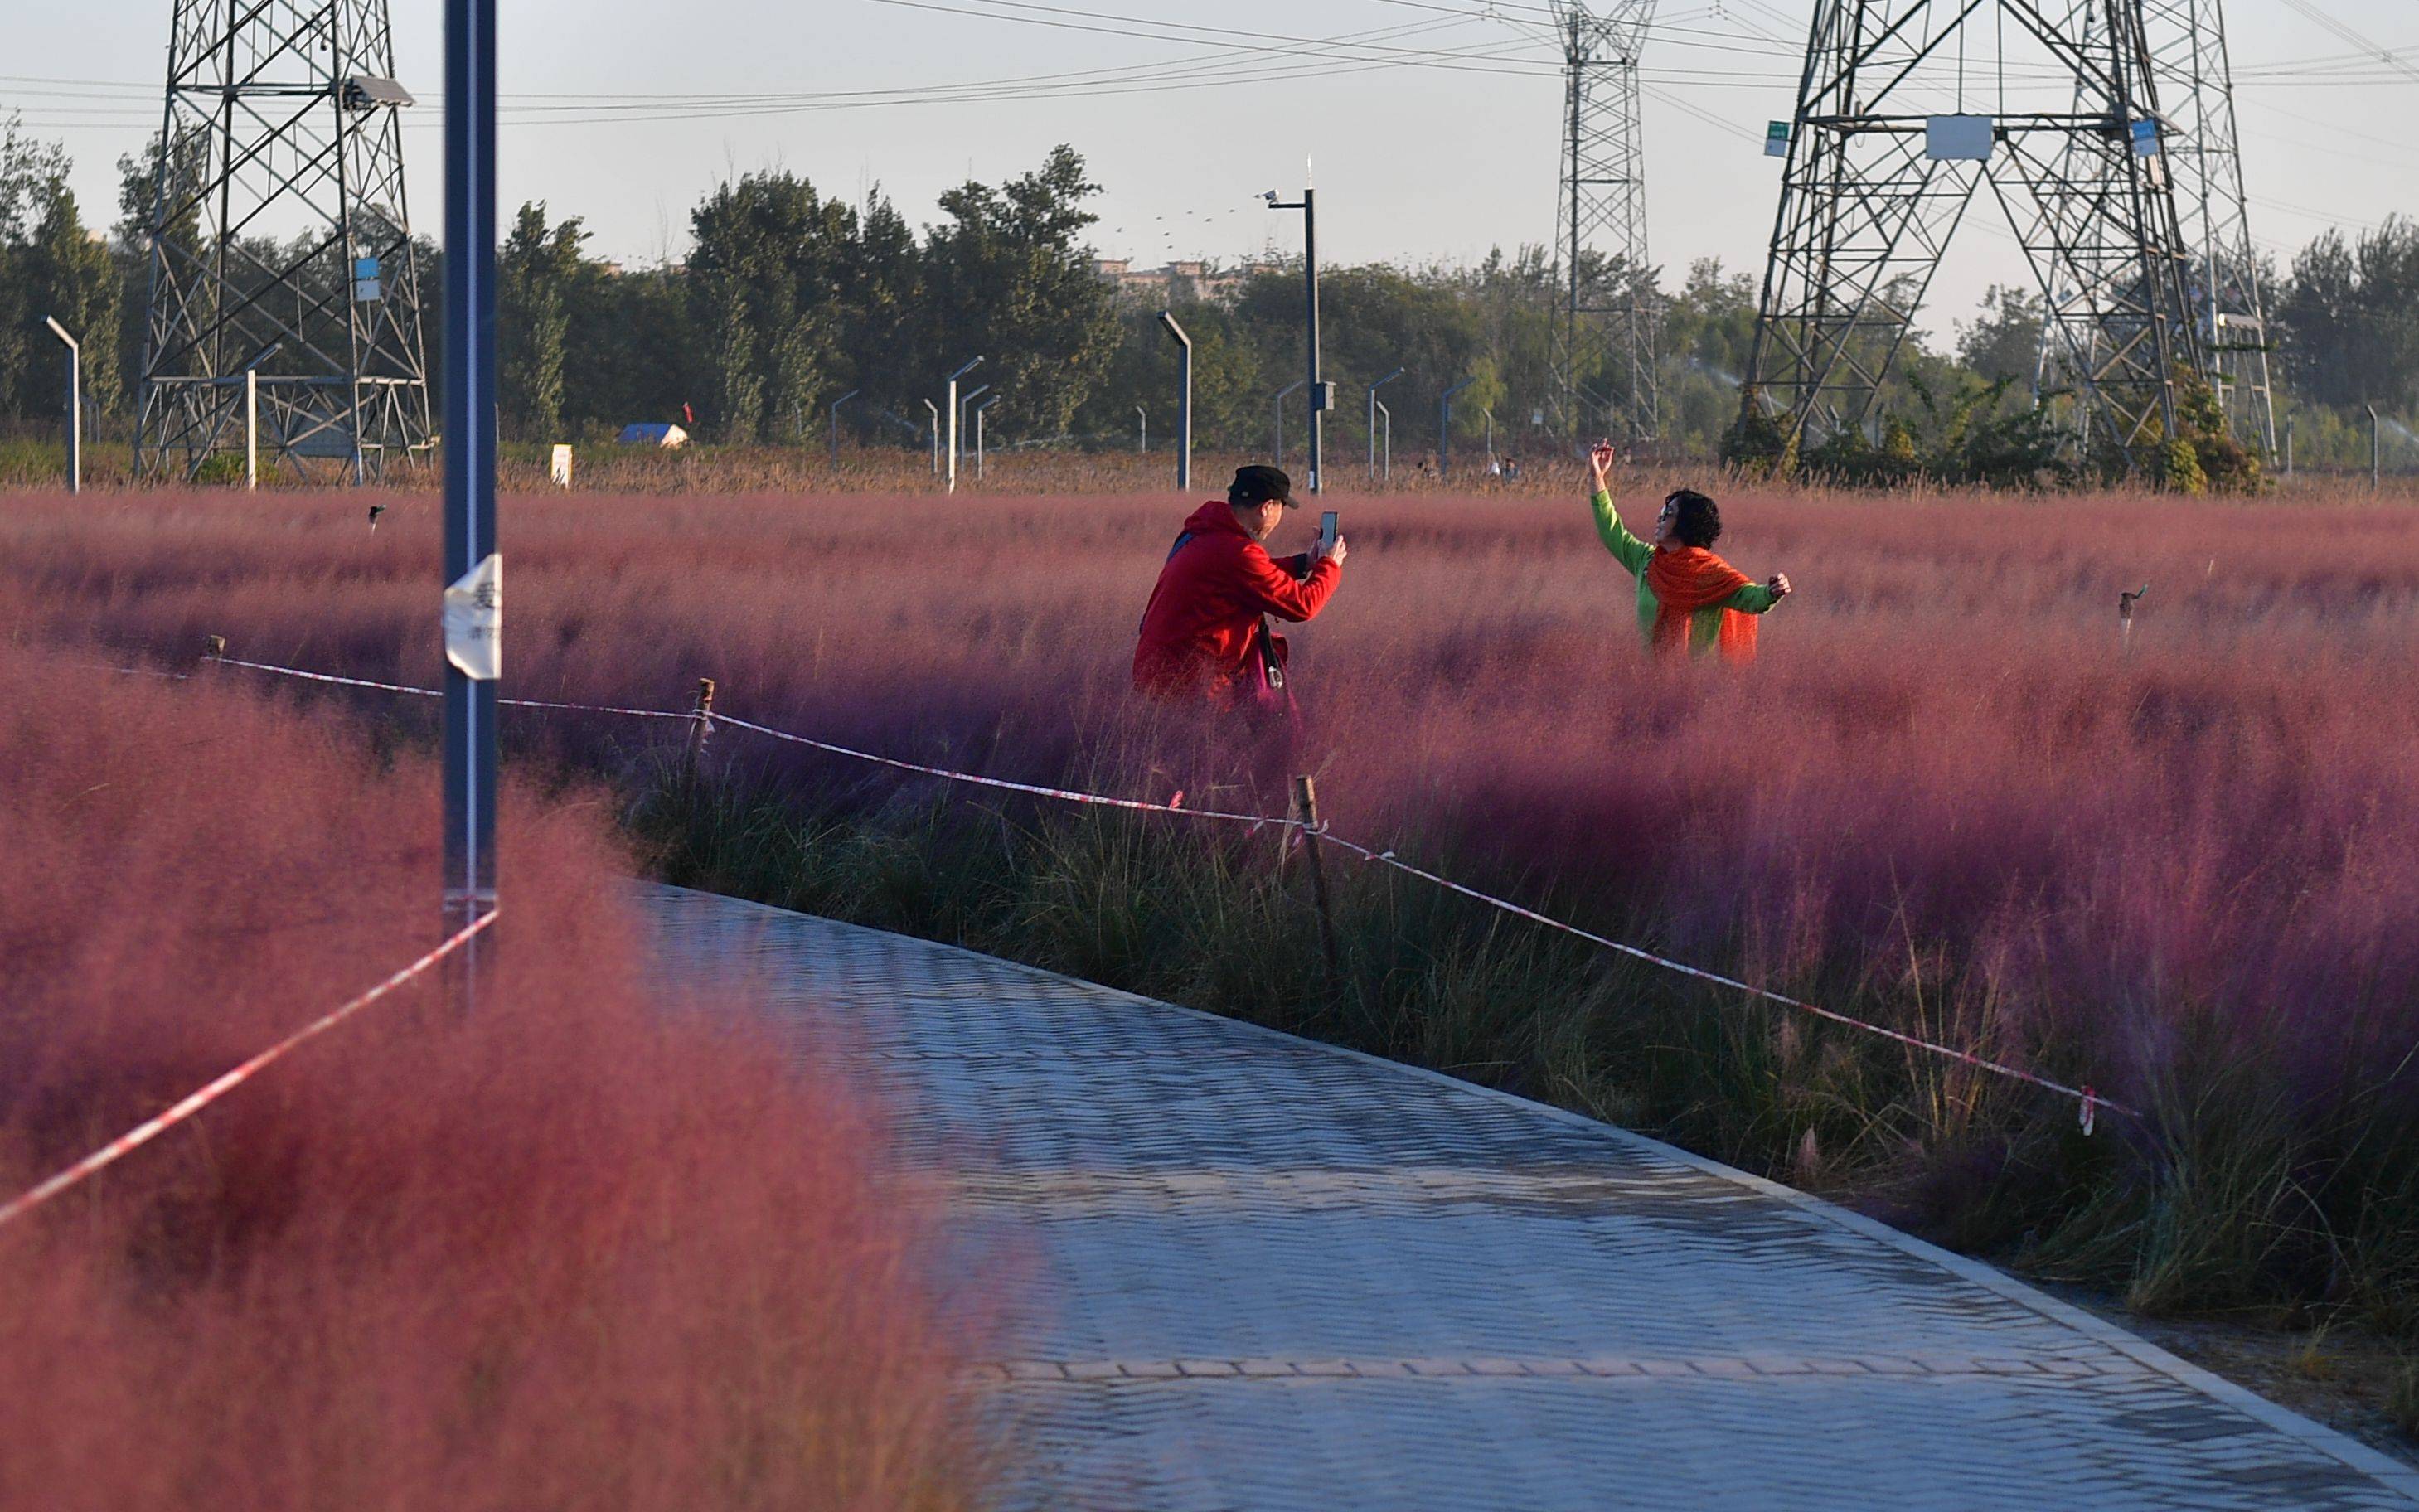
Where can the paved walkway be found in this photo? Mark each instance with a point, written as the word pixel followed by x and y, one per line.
pixel 1260 1274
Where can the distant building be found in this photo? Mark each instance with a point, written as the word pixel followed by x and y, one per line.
pixel 1181 281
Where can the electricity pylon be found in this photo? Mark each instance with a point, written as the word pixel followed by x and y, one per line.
pixel 279 247
pixel 1897 129
pixel 1604 351
pixel 2189 61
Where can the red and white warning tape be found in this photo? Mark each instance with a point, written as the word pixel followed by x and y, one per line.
pixel 2089 1102
pixel 143 1133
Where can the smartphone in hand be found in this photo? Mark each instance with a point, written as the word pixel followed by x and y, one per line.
pixel 1326 530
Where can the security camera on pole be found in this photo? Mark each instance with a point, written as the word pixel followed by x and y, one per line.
pixel 1322 393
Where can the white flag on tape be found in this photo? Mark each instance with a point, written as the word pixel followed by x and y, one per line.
pixel 474 621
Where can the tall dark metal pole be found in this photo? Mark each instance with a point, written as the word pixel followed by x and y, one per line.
pixel 471 478
pixel 1444 427
pixel 1310 270
pixel 1319 399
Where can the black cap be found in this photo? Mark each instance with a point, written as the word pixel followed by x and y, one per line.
pixel 1258 485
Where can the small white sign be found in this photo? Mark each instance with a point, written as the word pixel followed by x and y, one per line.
pixel 1776 139
pixel 1958 138
pixel 474 621
pixel 558 466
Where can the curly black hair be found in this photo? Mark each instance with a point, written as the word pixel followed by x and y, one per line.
pixel 1699 522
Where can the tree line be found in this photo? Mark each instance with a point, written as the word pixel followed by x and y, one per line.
pixel 790 298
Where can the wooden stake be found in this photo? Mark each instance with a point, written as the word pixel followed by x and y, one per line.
pixel 1305 796
pixel 701 727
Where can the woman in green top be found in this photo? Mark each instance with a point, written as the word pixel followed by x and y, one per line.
pixel 1688 599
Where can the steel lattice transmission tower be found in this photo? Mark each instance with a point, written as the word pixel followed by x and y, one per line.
pixel 1897 131
pixel 280 241
pixel 2195 76
pixel 1604 353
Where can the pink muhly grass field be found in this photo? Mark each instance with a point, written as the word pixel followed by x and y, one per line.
pixel 1943 767
pixel 577 1252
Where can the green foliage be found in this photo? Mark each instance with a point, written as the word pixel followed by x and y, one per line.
pixel 2223 463
pixel 1759 444
pixel 2004 341
pixel 735 399
pixel 1009 280
pixel 2179 468
pixel 2203 457
pixel 2349 317
pixel 1975 433
pixel 46 269
pixel 534 270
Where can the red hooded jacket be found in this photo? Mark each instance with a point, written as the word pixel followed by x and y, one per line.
pixel 1197 629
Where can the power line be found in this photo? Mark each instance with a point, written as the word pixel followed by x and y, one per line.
pixel 2355 37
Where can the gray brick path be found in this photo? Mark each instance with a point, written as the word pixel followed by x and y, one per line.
pixel 1253 1273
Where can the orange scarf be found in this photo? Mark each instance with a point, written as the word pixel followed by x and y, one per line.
pixel 1689 579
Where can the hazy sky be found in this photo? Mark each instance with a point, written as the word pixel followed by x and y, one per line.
pixel 1435 151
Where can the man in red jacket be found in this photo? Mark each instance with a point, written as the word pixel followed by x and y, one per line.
pixel 1205 634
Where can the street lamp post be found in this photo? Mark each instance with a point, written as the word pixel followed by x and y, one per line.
pixel 951 486
pixel 1322 395
pixel 75 404
pixel 1386 449
pixel 1278 399
pixel 1444 427
pixel 835 425
pixel 933 429
pixel 965 403
pixel 979 434
pixel 1373 420
pixel 1183 404
pixel 1142 438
